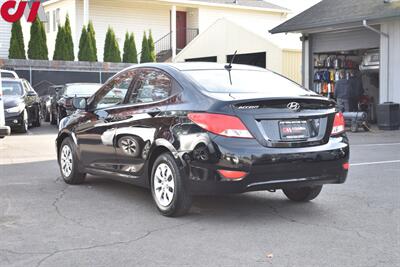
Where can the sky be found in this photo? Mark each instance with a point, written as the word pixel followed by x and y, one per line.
pixel 296 6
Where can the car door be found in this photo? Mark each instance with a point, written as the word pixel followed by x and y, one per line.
pixel 96 130
pixel 144 117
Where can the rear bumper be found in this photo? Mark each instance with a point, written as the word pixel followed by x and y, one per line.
pixel 267 168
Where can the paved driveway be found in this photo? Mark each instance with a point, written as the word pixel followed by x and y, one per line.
pixel 44 222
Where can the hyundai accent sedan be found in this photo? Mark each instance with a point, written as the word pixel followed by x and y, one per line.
pixel 204 128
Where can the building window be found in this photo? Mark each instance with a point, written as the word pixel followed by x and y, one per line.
pixel 56 19
pixel 47 24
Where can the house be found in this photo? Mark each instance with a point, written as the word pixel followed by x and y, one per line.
pixel 5 35
pixel 174 24
pixel 358 35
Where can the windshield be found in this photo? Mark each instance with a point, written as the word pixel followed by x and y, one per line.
pixel 82 89
pixel 245 81
pixel 12 88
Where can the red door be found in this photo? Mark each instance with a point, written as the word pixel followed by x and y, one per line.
pixel 180 29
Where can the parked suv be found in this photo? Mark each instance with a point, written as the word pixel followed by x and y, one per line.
pixel 21 104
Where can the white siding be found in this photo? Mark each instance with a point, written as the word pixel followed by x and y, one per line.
pixel 66 7
pixel 231 37
pixel 389 77
pixel 5 34
pixel 129 16
pixel 256 21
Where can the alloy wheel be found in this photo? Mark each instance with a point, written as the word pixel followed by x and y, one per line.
pixel 66 161
pixel 164 185
pixel 129 146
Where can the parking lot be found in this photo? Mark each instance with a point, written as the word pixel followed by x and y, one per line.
pixel 44 222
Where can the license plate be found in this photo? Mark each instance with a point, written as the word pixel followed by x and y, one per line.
pixel 294 130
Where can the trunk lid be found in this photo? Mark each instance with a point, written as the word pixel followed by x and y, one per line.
pixel 287 122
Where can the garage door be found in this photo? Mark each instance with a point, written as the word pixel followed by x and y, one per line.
pixel 202 59
pixel 360 38
pixel 254 59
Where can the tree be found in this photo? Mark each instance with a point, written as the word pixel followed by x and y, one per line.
pixel 130 52
pixel 37 47
pixel 60 47
pixel 86 51
pixel 144 57
pixel 69 43
pixel 90 30
pixel 133 48
pixel 17 46
pixel 111 47
pixel 152 51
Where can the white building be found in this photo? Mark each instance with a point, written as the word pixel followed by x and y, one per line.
pixel 175 23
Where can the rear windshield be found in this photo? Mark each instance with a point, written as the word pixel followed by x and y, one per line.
pixel 245 81
pixel 12 88
pixel 82 89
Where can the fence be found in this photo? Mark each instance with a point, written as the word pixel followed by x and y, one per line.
pixel 43 73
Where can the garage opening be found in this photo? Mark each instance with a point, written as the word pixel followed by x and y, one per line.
pixel 355 70
pixel 254 59
pixel 202 59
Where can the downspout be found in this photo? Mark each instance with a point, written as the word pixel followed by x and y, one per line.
pixel 365 24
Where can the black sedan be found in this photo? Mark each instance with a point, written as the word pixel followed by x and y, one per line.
pixel 61 103
pixel 21 105
pixel 202 128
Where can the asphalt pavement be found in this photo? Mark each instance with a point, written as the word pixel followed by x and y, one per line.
pixel 44 222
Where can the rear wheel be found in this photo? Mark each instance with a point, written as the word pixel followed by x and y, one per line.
pixel 53 119
pixel 69 164
pixel 167 187
pixel 23 128
pixel 302 194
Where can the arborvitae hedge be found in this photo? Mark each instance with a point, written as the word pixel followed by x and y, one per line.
pixel 60 47
pixel 17 46
pixel 152 51
pixel 69 43
pixel 90 30
pixel 37 48
pixel 145 56
pixel 130 52
pixel 111 47
pixel 86 51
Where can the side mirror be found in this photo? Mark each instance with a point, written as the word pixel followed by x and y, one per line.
pixel 31 93
pixel 79 103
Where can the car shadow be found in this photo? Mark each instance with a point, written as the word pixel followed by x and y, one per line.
pixel 254 206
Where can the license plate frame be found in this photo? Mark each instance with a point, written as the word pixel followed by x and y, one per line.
pixel 291 130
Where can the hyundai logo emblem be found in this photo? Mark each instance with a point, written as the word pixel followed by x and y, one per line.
pixel 293 106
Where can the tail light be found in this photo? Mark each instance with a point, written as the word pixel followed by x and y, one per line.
pixel 232 175
pixel 338 124
pixel 225 125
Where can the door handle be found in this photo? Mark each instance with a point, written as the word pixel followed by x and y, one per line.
pixel 153 112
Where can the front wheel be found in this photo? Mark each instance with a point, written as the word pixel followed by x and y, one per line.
pixel 302 194
pixel 23 128
pixel 167 187
pixel 69 163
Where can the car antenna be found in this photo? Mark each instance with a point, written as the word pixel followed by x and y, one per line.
pixel 229 66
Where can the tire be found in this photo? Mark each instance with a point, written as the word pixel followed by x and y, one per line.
pixel 23 128
pixel 166 176
pixel 37 122
pixel 53 120
pixel 302 194
pixel 46 116
pixel 68 163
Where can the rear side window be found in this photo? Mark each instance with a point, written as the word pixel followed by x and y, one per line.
pixel 245 81
pixel 152 86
